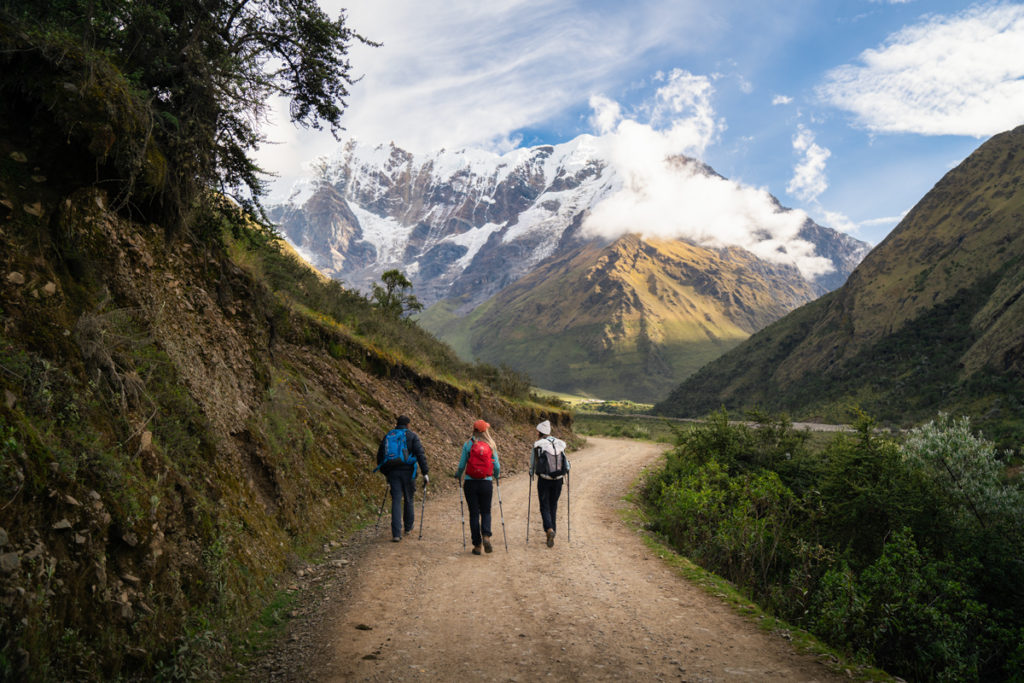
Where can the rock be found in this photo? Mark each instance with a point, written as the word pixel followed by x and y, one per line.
pixel 62 525
pixel 38 178
pixel 71 501
pixel 130 538
pixel 19 157
pixel 34 209
pixel 50 288
pixel 3 537
pixel 9 399
pixel 16 278
pixel 9 562
pixel 146 442
pixel 131 578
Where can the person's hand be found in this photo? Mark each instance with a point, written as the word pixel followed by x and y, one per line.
pixel 426 479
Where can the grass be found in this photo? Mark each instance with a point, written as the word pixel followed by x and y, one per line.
pixel 641 427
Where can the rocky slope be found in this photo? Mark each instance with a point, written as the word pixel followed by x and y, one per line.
pixel 627 319
pixel 463 225
pixel 178 429
pixel 929 321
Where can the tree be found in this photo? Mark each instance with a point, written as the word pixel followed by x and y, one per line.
pixel 203 71
pixel 395 298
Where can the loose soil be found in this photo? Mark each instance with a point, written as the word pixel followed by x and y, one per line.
pixel 600 606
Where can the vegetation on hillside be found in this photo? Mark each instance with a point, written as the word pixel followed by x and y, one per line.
pixel 906 555
pixel 186 410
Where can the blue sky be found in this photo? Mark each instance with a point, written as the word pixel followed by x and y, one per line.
pixel 849 110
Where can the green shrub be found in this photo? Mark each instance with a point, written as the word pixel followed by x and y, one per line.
pixel 908 556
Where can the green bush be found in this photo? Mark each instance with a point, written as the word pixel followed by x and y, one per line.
pixel 906 555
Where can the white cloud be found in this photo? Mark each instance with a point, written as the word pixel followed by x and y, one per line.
pixel 468 73
pixel 808 181
pixel 948 75
pixel 661 197
pixel 464 73
pixel 782 99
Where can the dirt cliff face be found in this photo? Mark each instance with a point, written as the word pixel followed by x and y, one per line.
pixel 173 434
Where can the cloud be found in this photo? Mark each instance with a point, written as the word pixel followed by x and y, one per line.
pixel 808 180
pixel 781 99
pixel 660 195
pixel 469 73
pixel 465 73
pixel 948 75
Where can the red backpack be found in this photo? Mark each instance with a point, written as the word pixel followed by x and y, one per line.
pixel 481 461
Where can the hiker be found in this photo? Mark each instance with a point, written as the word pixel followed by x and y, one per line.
pixel 399 456
pixel 548 462
pixel 479 463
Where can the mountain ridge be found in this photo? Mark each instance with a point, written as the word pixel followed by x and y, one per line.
pixel 624 319
pixel 467 227
pixel 930 319
pixel 446 218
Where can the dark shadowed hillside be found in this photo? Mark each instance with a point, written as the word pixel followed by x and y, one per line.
pixel 931 320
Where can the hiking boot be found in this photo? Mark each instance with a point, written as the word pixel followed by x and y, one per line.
pixel 476 550
pixel 487 544
pixel 551 538
pixel 396 539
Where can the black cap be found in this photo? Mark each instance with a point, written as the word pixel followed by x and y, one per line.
pixel 402 420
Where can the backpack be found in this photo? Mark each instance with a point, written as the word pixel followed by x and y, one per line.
pixel 396 449
pixel 547 464
pixel 480 464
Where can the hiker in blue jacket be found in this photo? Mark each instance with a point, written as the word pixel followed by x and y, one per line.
pixel 399 461
pixel 479 463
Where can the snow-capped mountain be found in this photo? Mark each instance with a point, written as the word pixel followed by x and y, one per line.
pixel 463 225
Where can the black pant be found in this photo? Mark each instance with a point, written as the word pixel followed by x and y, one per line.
pixel 478 498
pixel 403 490
pixel 548 491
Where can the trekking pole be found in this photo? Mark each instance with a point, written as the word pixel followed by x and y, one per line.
pixel 423 506
pixel 529 493
pixel 502 513
pixel 462 511
pixel 568 509
pixel 376 526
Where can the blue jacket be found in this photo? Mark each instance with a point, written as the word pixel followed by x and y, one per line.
pixel 415 448
pixel 465 458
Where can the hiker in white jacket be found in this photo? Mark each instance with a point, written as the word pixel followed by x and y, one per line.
pixel 548 462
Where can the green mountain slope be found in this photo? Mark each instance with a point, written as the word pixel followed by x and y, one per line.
pixel 932 319
pixel 623 320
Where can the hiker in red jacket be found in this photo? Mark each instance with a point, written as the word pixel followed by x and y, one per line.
pixel 479 462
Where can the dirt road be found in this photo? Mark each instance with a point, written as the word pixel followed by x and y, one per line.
pixel 601 607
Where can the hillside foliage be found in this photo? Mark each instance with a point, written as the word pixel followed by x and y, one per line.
pixel 160 101
pixel 930 321
pixel 187 411
pixel 905 555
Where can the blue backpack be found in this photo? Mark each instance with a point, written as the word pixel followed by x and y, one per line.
pixel 396 449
